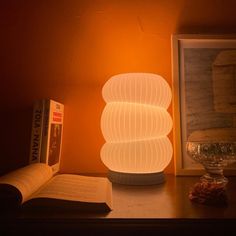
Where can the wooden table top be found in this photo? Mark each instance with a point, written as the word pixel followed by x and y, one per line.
pixel 164 206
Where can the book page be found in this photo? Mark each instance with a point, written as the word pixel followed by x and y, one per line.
pixel 77 188
pixel 28 179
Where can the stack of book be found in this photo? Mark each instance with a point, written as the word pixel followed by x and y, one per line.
pixel 46 137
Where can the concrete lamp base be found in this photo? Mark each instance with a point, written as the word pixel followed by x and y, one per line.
pixel 136 178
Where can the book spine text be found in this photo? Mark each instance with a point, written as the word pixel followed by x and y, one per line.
pixel 36 133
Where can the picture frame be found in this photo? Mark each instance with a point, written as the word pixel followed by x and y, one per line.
pixel 200 64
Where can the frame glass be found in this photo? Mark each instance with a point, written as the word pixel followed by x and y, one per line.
pixel 204 95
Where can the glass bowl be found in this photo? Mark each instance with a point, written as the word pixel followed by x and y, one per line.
pixel 214 156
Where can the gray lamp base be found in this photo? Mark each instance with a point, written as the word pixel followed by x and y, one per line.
pixel 136 179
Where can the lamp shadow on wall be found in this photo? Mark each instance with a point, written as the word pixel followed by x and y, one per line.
pixel 15 139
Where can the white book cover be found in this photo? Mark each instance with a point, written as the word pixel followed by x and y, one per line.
pixel 52 134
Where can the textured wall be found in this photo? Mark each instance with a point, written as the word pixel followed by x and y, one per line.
pixel 67 50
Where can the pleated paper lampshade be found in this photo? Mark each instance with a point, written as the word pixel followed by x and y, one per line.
pixel 135 124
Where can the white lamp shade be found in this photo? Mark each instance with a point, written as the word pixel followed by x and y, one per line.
pixel 135 123
pixel 122 121
pixel 144 88
pixel 145 156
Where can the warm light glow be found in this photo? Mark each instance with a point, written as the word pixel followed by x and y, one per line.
pixel 135 123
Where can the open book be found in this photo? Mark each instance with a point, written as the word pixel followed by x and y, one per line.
pixel 35 187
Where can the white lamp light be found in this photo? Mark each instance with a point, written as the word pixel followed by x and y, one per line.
pixel 135 124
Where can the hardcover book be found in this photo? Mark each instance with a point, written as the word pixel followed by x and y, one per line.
pixel 35 188
pixel 46 137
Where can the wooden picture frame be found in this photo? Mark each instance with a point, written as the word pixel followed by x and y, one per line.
pixel 197 107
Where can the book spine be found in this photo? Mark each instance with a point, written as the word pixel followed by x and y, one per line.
pixel 36 133
pixel 45 131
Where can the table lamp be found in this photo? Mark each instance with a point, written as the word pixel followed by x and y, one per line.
pixel 135 124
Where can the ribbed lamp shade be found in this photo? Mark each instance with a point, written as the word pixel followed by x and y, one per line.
pixel 135 125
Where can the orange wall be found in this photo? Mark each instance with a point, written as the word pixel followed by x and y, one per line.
pixel 67 50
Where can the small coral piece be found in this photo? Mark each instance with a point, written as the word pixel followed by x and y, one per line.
pixel 208 194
